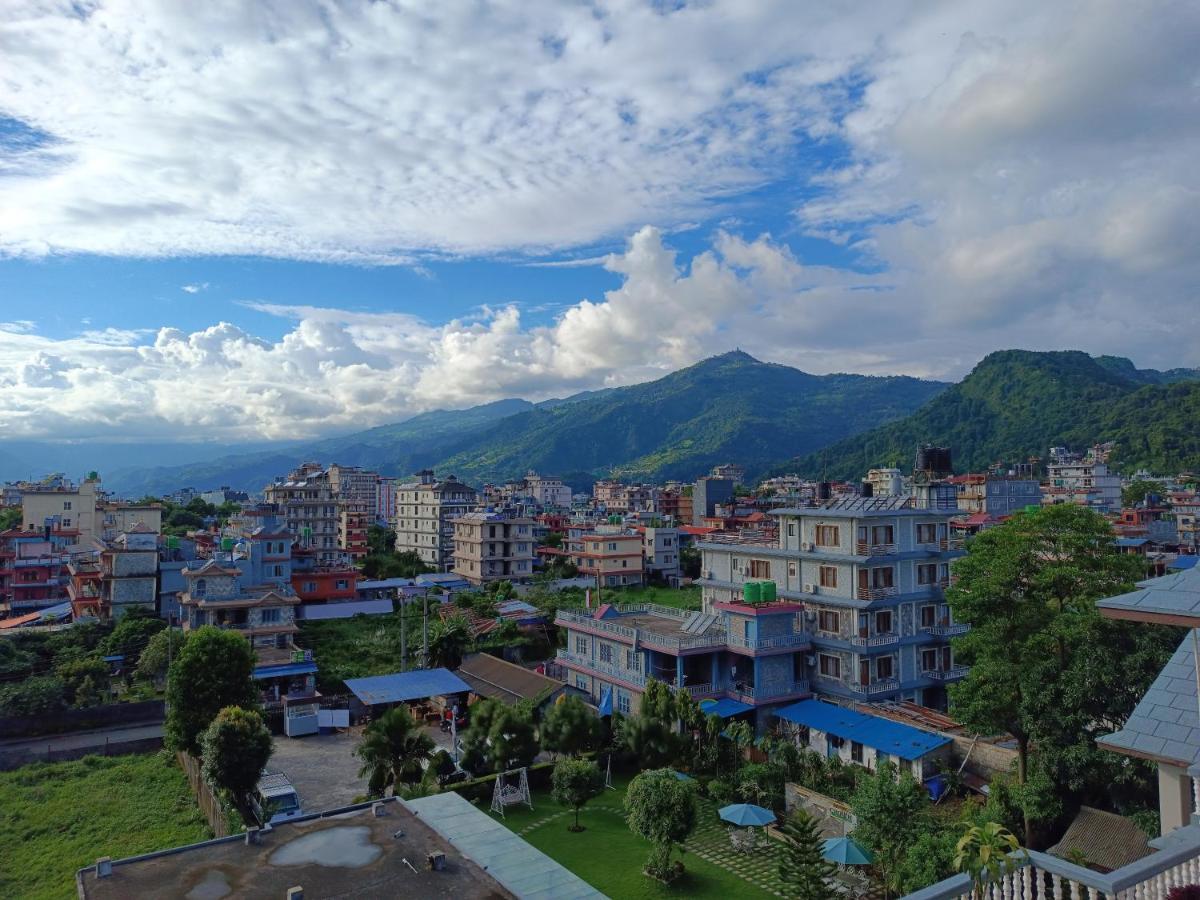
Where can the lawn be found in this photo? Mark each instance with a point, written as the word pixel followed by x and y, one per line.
pixel 681 598
pixel 357 647
pixel 57 817
pixel 610 857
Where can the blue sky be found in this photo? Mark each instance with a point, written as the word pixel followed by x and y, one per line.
pixel 269 221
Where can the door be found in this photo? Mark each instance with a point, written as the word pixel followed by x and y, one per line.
pixel 864 671
pixel 830 748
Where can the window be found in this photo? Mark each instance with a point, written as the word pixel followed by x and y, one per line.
pixel 200 588
pixel 760 568
pixel 883 621
pixel 856 752
pixel 269 616
pixel 581 682
pixel 883 534
pixel 310 586
pixel 928 659
pixel 926 534
pixel 342 584
pixel 791 532
pixel 829 666
pixel 606 653
pixel 828 536
pixel 884 667
pixel 612 545
pixel 277 571
pixel 829 620
pixel 633 660
pixel 928 615
pixel 828 576
pixel 66 522
pixel 927 574
pixel 623 702
pixel 792 570
pixel 581 645
pixel 874 579
pixel 66 505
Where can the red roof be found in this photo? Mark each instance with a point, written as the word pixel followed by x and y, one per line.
pixel 697 529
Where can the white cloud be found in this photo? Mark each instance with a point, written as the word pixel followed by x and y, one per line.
pixel 195 288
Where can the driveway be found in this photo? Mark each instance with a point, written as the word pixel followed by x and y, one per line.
pixel 322 767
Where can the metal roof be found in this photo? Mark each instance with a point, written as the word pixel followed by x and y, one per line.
pixel 300 668
pixel 521 868
pixel 724 707
pixel 1164 725
pixel 1105 839
pixel 401 686
pixel 881 734
pixel 1183 563
pixel 1131 542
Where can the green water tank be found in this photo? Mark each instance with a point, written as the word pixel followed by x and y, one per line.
pixel 172 542
pixel 752 592
pixel 226 543
pixel 767 592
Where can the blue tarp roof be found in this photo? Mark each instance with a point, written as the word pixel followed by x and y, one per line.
pixel 406 686
pixel 881 734
pixel 1132 542
pixel 724 707
pixel 300 668
pixel 1183 562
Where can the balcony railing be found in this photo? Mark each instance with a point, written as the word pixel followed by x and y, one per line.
pixel 866 548
pixel 1034 876
pixel 643 636
pixel 875 687
pixel 750 692
pixel 629 676
pixel 948 629
pixel 875 640
pixel 877 593
pixel 799 639
pixel 949 674
pixel 954 543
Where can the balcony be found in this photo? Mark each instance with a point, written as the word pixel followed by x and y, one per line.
pixel 951 674
pixel 800 639
pixel 643 636
pixel 877 593
pixel 749 693
pixel 875 640
pixel 875 687
pixel 946 629
pixel 954 543
pixel 865 548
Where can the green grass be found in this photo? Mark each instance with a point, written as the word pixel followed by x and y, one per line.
pixel 357 647
pixel 610 857
pixel 58 817
pixel 681 598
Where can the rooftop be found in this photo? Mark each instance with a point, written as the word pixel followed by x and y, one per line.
pixel 401 686
pixel 352 853
pixel 878 733
pixel 490 676
pixel 1168 600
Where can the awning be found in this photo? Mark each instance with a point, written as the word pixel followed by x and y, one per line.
pixel 301 668
pixel 724 707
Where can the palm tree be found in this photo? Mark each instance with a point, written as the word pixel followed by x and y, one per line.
pixel 448 641
pixel 393 750
pixel 984 852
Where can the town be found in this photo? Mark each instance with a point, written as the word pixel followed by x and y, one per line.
pixel 387 629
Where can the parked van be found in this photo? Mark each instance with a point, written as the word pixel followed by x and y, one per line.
pixel 275 800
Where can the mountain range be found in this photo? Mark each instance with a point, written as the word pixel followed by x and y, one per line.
pixel 1016 403
pixel 729 408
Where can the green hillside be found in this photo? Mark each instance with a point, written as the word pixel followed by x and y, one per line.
pixel 1018 403
pixel 730 408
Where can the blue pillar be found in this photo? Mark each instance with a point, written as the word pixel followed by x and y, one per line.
pixel 678 670
pixel 716 669
pixel 756 675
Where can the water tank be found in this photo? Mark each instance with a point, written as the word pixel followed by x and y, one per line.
pixel 868 489
pixel 752 592
pixel 767 592
pixel 935 460
pixel 227 543
pixel 172 542
pixel 824 490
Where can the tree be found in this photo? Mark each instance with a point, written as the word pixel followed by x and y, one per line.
pixel 658 702
pixel 1136 492
pixel 498 738
pixel 690 562
pixel 574 783
pixel 39 695
pixel 10 517
pixel 1038 650
pixel 214 669
pixel 160 651
pixel 649 740
pixel 804 871
pixel 132 635
pixel 393 750
pixel 662 809
pixel 983 851
pixel 86 680
pixel 449 640
pixel 892 814
pixel 235 747
pixel 570 727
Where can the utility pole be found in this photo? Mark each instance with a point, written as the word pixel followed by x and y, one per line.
pixel 425 632
pixel 403 632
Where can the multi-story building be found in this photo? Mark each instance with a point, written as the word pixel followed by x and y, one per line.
pixel 306 502
pixel 995 495
pixel 870 575
pixel 385 502
pixel 425 512
pixel 676 503
pixel 660 551
pixel 84 511
pixel 116 575
pixel 1082 480
pixel 707 495
pixel 33 572
pixel 1185 505
pixel 885 482
pixel 610 553
pixel 750 658
pixel 548 491
pixel 730 471
pixel 493 547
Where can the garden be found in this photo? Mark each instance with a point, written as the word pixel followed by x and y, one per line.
pixel 58 817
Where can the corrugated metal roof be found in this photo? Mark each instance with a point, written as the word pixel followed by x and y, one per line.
pixel 300 668
pixel 881 734
pixel 1106 840
pixel 724 707
pixel 521 868
pixel 1183 563
pixel 490 676
pixel 401 686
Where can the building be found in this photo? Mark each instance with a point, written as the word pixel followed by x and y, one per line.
pixel 885 482
pixel 547 491
pixel 493 547
pixel 1083 480
pixel 660 552
pixel 869 574
pixel 675 503
pixel 222 495
pixel 749 659
pixel 129 572
pixel 327 510
pixel 731 472
pixel 425 511
pixel 707 494
pixel 33 572
pixel 385 502
pixel 612 553
pixel 995 495
pixel 83 511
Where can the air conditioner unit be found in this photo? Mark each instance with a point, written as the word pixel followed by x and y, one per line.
pixel 810 615
pixel 806 546
pixel 811 659
pixel 810 588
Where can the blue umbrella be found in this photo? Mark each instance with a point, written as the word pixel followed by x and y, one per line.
pixel 746 814
pixel 846 851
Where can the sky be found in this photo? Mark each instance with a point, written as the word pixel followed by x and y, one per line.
pixel 277 220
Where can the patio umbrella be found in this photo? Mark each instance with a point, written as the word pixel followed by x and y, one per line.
pixel 746 814
pixel 846 851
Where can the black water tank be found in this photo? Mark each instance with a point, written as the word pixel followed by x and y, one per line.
pixel 868 489
pixel 824 490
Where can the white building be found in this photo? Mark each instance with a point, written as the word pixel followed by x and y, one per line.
pixel 425 512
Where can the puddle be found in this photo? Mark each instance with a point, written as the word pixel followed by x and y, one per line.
pixel 347 847
pixel 213 886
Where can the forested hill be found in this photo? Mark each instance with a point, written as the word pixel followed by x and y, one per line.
pixel 1019 403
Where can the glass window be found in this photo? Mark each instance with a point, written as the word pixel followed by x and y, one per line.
pixel 856 752
pixel 829 666
pixel 928 615
pixel 828 536
pixel 928 660
pixel 829 620
pixel 883 621
pixel 927 574
pixel 884 668
pixel 200 588
pixel 606 653
pixel 581 645
pixel 760 568
pixel 828 576
pixel 623 702
pixel 926 534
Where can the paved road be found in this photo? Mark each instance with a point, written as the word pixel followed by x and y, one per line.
pixel 80 739
pixel 322 767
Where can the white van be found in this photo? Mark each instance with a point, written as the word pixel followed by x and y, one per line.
pixel 275 800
